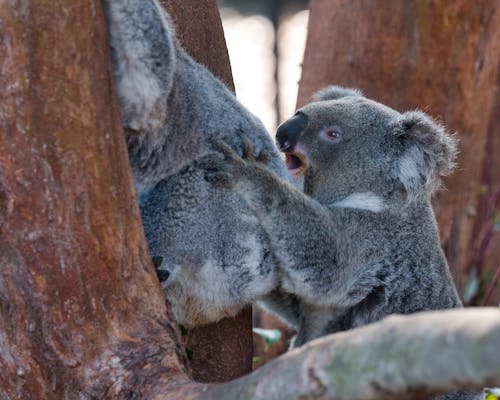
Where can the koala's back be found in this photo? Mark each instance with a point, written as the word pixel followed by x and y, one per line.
pixel 406 258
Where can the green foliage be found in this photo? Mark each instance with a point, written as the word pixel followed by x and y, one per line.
pixel 270 336
pixel 471 287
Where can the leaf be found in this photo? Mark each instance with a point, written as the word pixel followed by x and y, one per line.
pixel 471 287
pixel 492 394
pixel 271 336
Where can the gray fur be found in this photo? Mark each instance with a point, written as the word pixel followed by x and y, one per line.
pixel 462 396
pixel 334 93
pixel 210 250
pixel 359 240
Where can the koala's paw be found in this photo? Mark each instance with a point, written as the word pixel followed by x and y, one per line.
pixel 223 166
pixel 250 153
pixel 214 170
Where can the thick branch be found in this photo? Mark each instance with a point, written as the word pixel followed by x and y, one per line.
pixel 415 355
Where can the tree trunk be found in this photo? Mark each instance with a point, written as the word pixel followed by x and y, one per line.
pixel 82 314
pixel 442 57
pixel 222 351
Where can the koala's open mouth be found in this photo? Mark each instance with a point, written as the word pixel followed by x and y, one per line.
pixel 295 162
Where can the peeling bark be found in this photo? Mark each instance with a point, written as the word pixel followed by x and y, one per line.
pixel 438 56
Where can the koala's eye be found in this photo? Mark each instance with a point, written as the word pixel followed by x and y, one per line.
pixel 332 134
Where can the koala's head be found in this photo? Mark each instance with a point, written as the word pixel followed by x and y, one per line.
pixel 343 143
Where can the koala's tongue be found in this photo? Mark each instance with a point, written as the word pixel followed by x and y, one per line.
pixel 293 162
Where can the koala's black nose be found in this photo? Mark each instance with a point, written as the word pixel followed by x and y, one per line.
pixel 289 131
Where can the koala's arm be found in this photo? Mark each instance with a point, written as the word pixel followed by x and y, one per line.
pixel 143 55
pixel 303 233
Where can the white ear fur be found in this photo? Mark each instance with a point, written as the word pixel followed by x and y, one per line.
pixel 429 152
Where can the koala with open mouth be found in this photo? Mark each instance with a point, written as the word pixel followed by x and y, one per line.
pixel 356 237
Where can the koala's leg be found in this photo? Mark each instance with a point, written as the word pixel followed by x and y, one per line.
pixel 285 305
pixel 314 323
pixel 143 56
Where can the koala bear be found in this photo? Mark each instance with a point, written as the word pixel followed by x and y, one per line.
pixel 355 237
pixel 211 253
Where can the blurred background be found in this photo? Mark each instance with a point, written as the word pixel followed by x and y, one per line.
pixel 266 41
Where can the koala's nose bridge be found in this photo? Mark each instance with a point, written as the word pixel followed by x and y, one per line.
pixel 289 131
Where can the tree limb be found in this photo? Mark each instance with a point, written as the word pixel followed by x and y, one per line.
pixel 416 356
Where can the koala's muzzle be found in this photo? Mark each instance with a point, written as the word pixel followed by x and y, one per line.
pixel 289 131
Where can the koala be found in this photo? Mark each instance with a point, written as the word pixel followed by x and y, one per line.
pixel 355 236
pixel 211 253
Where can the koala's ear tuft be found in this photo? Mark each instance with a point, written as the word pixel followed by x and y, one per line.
pixel 429 152
pixel 335 92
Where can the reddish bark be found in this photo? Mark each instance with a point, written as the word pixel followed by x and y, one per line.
pixel 75 268
pixel 199 28
pixel 222 351
pixel 441 57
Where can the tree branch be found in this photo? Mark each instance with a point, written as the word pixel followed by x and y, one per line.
pixel 416 356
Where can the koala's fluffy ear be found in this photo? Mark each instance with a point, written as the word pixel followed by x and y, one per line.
pixel 142 42
pixel 429 152
pixel 335 92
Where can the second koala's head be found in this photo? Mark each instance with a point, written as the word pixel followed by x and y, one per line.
pixel 343 143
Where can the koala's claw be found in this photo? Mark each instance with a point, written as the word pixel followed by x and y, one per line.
pixel 227 151
pixel 248 149
pixel 216 169
pixel 219 178
pixel 263 157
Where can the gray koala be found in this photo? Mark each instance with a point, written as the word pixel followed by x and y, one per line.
pixel 356 237
pixel 211 253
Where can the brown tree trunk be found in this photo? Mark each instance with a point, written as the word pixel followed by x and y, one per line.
pixel 442 57
pixel 222 351
pixel 82 314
